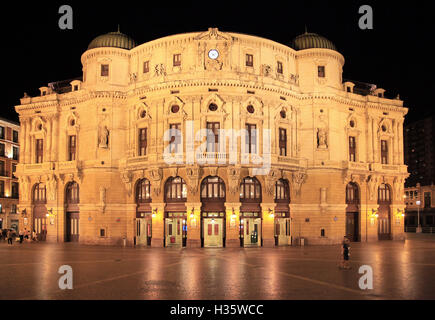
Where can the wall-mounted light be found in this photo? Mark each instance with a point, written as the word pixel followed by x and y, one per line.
pixel 154 213
pixel 271 213
pixel 192 212
pixel 233 214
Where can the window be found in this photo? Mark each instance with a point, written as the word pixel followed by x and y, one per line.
pixel 15 136
pixel 39 194
pixel 2 132
pixel 384 194
pixel 175 189
pixel 384 152
pixel 177 60
pixel 14 169
pixel 2 149
pixel 213 136
pixel 146 67
pixel 3 172
pixel 13 208
pixel 102 233
pixel 2 190
pixel 14 190
pixel 352 193
pixel 249 60
pixel 39 150
pixel 213 188
pixel 175 134
pixel 279 68
pixel 143 191
pixel 142 142
pixel 282 142
pixel 352 149
pixel 15 153
pixel 251 138
pixel 427 200
pixel 72 148
pixel 282 190
pixel 104 70
pixel 321 71
pixel 250 189
pixel 72 193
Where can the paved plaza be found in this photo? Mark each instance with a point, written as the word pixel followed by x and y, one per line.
pixel 401 270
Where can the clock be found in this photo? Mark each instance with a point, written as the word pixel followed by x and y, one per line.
pixel 213 54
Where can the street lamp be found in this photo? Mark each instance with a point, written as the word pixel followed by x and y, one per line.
pixel 418 230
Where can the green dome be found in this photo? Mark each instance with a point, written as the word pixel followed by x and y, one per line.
pixel 114 40
pixel 312 40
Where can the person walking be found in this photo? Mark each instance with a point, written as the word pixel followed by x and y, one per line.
pixel 345 253
pixel 34 235
pixel 21 234
pixel 9 235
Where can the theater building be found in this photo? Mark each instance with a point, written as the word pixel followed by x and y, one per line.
pixel 211 139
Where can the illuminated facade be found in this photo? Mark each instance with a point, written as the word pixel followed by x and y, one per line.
pixel 117 156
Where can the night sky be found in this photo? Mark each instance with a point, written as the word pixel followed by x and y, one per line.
pixel 396 55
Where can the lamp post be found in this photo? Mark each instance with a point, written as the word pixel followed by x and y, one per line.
pixel 418 230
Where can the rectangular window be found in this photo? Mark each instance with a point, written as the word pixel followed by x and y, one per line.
pixel 251 138
pixel 175 134
pixel 249 60
pixel 39 150
pixel 15 136
pixel 13 208
pixel 14 190
pixel 213 136
pixel 352 149
pixel 146 67
pixel 15 153
pixel 384 152
pixel 279 68
pixel 104 70
pixel 2 189
pixel 427 200
pixel 177 59
pixel 142 142
pixel 72 144
pixel 2 132
pixel 282 142
pixel 321 71
pixel 2 149
pixel 2 169
pixel 14 169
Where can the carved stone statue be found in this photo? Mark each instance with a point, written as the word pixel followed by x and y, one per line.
pixel 372 183
pixel 103 137
pixel 322 138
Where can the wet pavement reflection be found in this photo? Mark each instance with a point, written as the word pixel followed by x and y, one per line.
pixel 401 270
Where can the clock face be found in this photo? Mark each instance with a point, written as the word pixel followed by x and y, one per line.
pixel 213 54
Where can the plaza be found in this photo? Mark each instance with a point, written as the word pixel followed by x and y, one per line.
pixel 401 270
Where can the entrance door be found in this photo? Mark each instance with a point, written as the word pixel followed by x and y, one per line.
pixel 282 231
pixel 252 232
pixel 174 232
pixel 213 232
pixel 72 227
pixel 143 231
pixel 384 224
pixel 352 226
pixel 40 226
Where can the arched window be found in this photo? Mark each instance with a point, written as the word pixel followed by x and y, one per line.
pixel 39 194
pixel 213 188
pixel 250 189
pixel 72 193
pixel 384 193
pixel 282 191
pixel 175 189
pixel 352 193
pixel 143 191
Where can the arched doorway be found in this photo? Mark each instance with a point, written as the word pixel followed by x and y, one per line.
pixel 175 212
pixel 384 215
pixel 72 212
pixel 39 200
pixel 352 211
pixel 143 213
pixel 282 213
pixel 213 212
pixel 250 213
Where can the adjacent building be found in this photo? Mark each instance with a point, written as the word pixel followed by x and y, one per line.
pixel 212 139
pixel 9 157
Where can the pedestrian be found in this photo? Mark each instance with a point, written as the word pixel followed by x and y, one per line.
pixel 34 235
pixel 9 235
pixel 21 234
pixel 26 234
pixel 345 248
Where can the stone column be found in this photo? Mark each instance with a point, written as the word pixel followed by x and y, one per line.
pixel 55 134
pixel 232 212
pixel 48 139
pixel 400 138
pixel 27 139
pixel 23 132
pixel 397 221
pixel 193 224
pixel 158 226
pixel 267 230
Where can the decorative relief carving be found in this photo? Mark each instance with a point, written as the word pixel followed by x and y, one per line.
pixel 102 204
pixel 127 178
pixel 398 187
pixel 156 176
pixel 103 136
pixel 233 179
pixel 271 179
pixel 193 174
pixel 372 184
pixel 159 70
pixel 24 186
pixel 51 187
pixel 298 178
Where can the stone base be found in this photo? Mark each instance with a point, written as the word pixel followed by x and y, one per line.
pixel 193 243
pixel 268 243
pixel 232 243
pixel 156 243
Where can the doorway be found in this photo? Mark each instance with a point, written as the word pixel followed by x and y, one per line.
pixel 213 232
pixel 72 227
pixel 352 228
pixel 251 232
pixel 176 232
pixel 143 231
pixel 282 232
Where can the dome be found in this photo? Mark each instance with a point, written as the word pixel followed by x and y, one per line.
pixel 113 39
pixel 311 40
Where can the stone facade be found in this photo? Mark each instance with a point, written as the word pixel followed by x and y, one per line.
pixel 106 110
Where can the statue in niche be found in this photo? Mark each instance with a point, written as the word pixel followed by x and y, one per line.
pixel 103 137
pixel 322 138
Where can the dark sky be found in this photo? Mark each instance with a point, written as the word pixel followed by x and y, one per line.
pixel 396 55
